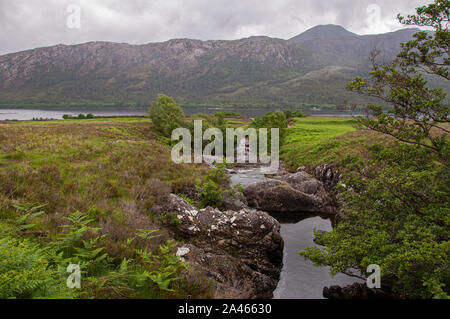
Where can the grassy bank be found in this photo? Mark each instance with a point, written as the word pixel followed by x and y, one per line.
pixel 312 141
pixel 82 192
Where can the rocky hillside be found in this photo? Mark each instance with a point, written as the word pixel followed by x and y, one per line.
pixel 311 68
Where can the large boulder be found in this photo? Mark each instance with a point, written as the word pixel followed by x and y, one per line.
pixel 299 192
pixel 241 250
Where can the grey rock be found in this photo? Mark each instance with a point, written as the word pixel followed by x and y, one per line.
pixel 328 175
pixel 230 202
pixel 241 250
pixel 299 192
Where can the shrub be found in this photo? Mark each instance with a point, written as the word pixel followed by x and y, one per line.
pixel 214 185
pixel 210 194
pixel 395 215
pixel 272 120
pixel 291 114
pixel 166 114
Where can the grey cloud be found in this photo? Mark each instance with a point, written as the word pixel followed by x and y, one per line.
pixel 26 24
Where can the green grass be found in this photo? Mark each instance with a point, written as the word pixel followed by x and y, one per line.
pixel 311 130
pixel 312 141
pixel 117 168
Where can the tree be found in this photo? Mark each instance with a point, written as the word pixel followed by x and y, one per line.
pixel 419 114
pixel 396 205
pixel 272 120
pixel 166 114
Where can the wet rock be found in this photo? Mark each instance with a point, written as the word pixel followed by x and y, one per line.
pixel 299 192
pixel 303 182
pixel 241 250
pixel 355 291
pixel 230 202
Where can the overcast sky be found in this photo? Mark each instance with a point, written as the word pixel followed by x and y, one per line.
pixel 27 24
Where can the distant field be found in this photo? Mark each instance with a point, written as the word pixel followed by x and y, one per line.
pixel 310 130
pixel 318 140
pixel 310 141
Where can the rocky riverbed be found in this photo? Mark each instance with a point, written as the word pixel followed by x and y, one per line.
pixel 299 278
pixel 249 247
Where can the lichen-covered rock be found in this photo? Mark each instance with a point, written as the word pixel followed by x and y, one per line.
pixel 299 192
pixel 241 250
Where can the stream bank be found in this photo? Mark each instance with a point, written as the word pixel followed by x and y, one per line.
pixel 299 278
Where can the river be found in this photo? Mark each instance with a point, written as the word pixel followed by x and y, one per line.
pixel 299 278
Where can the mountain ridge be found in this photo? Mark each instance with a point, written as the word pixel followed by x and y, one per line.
pixel 311 68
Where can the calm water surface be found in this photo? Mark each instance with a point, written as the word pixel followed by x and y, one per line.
pixel 299 279
pixel 23 114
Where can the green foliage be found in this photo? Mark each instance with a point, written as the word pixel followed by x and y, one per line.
pixel 173 220
pixel 396 207
pixel 31 270
pixel 291 114
pixel 238 188
pixel 429 51
pixel 186 198
pixel 78 117
pixel 29 211
pixel 216 121
pixel 168 267
pixel 228 113
pixel 166 114
pixel 396 216
pixel 78 244
pixel 272 120
pixel 212 188
pixel 110 170
pixel 210 194
pixel 26 271
pixel 419 113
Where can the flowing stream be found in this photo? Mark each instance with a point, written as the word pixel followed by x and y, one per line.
pixel 299 278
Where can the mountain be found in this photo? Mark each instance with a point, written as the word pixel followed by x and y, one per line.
pixel 336 45
pixel 324 32
pixel 311 68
